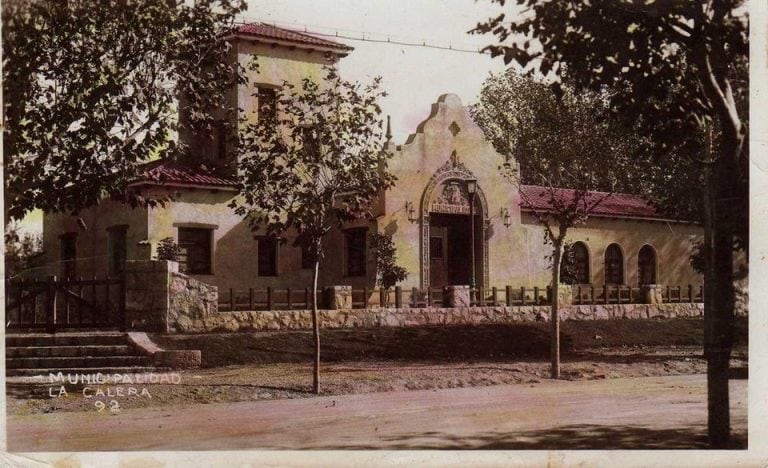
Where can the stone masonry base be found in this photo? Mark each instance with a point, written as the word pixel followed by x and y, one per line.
pixel 379 317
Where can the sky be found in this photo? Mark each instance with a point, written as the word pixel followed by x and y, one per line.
pixel 414 77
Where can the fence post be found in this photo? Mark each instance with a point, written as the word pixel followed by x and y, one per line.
pixel 701 292
pixel 522 294
pixel 231 300
pixel 549 294
pixel 535 294
pixel 382 299
pixel 578 295
pixel 398 297
pixel 669 294
pixel 494 295
pixel 365 298
pixel 605 294
pixel 429 297
pixel 51 306
pixel 592 294
pixel 508 291
pixel 690 293
pixel 414 295
pixel 269 298
pixel 306 299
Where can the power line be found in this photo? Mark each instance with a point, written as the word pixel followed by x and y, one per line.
pixel 386 39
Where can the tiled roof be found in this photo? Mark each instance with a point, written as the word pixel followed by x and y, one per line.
pixel 170 173
pixel 273 32
pixel 615 205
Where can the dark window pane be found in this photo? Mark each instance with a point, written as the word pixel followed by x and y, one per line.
pixel 117 246
pixel 267 103
pixel 267 247
pixel 307 258
pixel 68 254
pixel 646 265
pixel 195 251
pixel 614 265
pixel 356 251
pixel 581 258
pixel 436 247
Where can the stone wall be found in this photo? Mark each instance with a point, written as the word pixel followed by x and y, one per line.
pixel 158 296
pixel 371 318
pixel 190 300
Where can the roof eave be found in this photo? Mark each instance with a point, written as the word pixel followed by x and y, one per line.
pixel 225 188
pixel 610 216
pixel 341 50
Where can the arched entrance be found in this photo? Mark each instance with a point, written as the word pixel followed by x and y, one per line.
pixel 446 229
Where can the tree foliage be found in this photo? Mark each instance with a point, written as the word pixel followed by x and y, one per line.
pixel 20 250
pixel 168 249
pixel 388 272
pixel 314 164
pixel 91 92
pixel 672 67
pixel 567 144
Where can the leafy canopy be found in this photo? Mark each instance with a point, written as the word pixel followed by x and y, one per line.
pixel 91 92
pixel 316 162
pixel 566 142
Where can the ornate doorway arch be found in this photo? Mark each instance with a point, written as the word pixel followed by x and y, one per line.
pixel 453 169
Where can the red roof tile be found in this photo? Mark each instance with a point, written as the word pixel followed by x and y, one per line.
pixel 163 172
pixel 534 197
pixel 282 34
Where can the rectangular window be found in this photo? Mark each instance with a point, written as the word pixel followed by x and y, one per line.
pixel 68 254
pixel 267 102
pixel 356 251
pixel 195 250
pixel 117 247
pixel 267 246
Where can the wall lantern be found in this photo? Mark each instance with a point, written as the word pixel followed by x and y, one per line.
pixel 410 212
pixel 505 218
pixel 471 186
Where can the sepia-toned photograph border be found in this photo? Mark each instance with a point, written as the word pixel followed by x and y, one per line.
pixel 428 233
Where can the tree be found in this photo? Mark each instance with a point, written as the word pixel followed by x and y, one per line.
pixel 388 272
pixel 20 250
pixel 565 145
pixel 313 165
pixel 683 54
pixel 91 93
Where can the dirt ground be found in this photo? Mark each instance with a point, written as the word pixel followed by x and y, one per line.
pixel 268 366
pixel 647 412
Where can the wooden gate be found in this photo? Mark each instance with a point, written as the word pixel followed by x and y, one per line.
pixel 64 304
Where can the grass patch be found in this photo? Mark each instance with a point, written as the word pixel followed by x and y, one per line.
pixel 440 343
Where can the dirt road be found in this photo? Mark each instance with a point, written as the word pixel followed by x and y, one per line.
pixel 653 412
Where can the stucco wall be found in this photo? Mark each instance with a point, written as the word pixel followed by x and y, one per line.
pixel 92 235
pixel 673 243
pixel 517 254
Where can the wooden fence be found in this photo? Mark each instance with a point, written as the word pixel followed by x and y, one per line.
pixel 297 299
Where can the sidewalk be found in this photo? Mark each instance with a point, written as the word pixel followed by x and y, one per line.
pixel 653 412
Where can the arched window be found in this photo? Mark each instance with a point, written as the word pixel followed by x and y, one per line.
pixel 581 263
pixel 646 265
pixel 574 267
pixel 614 265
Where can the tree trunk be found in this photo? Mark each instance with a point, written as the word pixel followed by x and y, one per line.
pixel 316 330
pixel 557 253
pixel 719 302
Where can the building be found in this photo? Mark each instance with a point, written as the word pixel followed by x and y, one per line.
pixel 427 212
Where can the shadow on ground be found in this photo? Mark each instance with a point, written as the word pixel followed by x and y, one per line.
pixel 520 341
pixel 572 437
